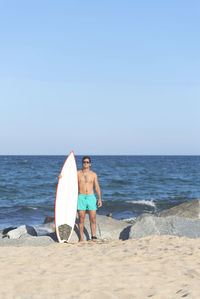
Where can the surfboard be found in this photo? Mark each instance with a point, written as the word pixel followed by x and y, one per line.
pixel 66 200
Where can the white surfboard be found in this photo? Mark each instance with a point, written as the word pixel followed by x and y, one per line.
pixel 66 200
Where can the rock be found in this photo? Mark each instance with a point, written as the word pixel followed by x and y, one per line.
pixel 190 209
pixel 53 236
pixel 45 229
pixel 147 225
pixel 109 215
pixel 27 240
pixel 21 230
pixel 6 230
pixel 48 219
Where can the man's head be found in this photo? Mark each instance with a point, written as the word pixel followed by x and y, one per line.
pixel 86 161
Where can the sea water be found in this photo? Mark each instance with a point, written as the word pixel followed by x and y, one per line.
pixel 130 185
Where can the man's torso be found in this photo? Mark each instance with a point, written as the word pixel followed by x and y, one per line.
pixel 86 182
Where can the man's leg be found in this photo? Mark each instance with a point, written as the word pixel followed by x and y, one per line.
pixel 92 216
pixel 81 214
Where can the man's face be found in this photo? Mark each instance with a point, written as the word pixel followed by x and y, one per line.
pixel 86 164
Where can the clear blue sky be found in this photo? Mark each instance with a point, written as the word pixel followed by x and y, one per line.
pixel 99 77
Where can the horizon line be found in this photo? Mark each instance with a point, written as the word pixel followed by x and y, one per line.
pixel 100 154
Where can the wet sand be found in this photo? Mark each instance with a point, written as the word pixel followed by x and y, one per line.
pixel 152 267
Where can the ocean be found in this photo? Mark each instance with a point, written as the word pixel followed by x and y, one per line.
pixel 130 185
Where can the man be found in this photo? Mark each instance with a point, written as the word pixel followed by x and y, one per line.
pixel 87 180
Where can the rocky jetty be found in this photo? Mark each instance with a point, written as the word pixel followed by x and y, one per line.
pixel 181 220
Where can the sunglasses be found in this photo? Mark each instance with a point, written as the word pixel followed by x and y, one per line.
pixel 86 162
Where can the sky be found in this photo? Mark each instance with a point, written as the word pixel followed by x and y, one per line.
pixel 102 77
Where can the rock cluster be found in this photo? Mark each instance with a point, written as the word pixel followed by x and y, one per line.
pixel 182 220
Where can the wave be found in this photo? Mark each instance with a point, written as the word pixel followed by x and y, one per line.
pixel 150 203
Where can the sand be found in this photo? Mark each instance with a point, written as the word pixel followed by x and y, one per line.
pixel 151 267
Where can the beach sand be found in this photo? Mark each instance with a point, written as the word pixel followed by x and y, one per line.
pixel 151 267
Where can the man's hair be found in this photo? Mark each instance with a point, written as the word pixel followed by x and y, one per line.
pixel 86 157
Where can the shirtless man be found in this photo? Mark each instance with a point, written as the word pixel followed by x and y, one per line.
pixel 87 180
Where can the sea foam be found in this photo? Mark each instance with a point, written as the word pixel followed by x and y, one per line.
pixel 143 202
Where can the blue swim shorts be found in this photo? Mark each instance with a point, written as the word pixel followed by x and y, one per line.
pixel 87 202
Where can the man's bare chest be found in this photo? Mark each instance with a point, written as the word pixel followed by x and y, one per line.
pixel 86 178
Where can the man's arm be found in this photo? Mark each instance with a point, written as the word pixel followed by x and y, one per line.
pixel 98 190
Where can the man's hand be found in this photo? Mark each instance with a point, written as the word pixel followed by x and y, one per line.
pixel 99 203
pixel 59 176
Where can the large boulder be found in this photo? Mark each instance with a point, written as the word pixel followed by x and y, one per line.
pixel 21 230
pixel 189 209
pixel 147 225
pixel 106 228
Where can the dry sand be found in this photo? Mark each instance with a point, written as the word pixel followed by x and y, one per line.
pixel 152 267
